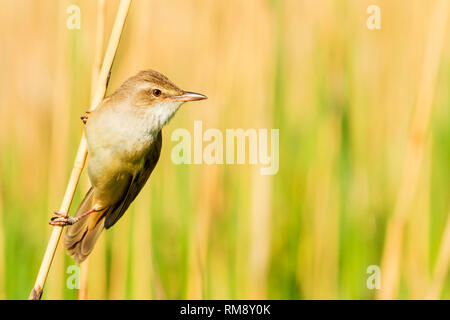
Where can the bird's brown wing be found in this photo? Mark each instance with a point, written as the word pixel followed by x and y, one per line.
pixel 137 183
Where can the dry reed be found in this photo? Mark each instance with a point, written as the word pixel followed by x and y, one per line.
pixel 83 292
pixel 80 159
pixel 392 253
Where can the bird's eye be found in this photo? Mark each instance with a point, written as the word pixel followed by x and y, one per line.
pixel 156 92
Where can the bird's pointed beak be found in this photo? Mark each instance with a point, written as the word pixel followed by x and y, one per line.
pixel 188 96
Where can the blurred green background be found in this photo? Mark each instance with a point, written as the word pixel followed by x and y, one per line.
pixel 348 193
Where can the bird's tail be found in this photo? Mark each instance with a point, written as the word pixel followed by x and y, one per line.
pixel 80 237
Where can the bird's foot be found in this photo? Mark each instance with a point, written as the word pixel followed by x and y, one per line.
pixel 62 220
pixel 84 118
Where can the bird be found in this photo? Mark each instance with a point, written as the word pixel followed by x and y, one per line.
pixel 124 144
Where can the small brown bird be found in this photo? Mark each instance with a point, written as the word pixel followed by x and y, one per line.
pixel 124 143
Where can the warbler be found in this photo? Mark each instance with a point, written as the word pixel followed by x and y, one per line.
pixel 124 143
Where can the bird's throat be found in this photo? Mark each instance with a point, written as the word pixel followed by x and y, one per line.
pixel 160 114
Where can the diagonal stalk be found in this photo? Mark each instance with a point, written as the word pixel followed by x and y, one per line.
pixel 80 159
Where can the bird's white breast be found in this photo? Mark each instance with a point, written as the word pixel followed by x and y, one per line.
pixel 127 132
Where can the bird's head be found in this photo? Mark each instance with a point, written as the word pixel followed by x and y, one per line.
pixel 153 88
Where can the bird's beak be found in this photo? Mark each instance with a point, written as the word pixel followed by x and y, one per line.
pixel 188 96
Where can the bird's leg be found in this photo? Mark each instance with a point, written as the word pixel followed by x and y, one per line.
pixel 85 117
pixel 64 220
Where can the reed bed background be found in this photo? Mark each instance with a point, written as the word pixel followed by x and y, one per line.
pixel 344 97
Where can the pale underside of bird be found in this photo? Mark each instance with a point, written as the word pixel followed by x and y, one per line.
pixel 124 143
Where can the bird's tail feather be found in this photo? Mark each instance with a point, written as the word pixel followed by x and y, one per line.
pixel 80 237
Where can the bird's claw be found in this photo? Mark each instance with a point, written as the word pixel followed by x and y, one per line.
pixel 62 220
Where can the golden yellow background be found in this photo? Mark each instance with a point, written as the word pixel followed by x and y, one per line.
pixel 364 149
